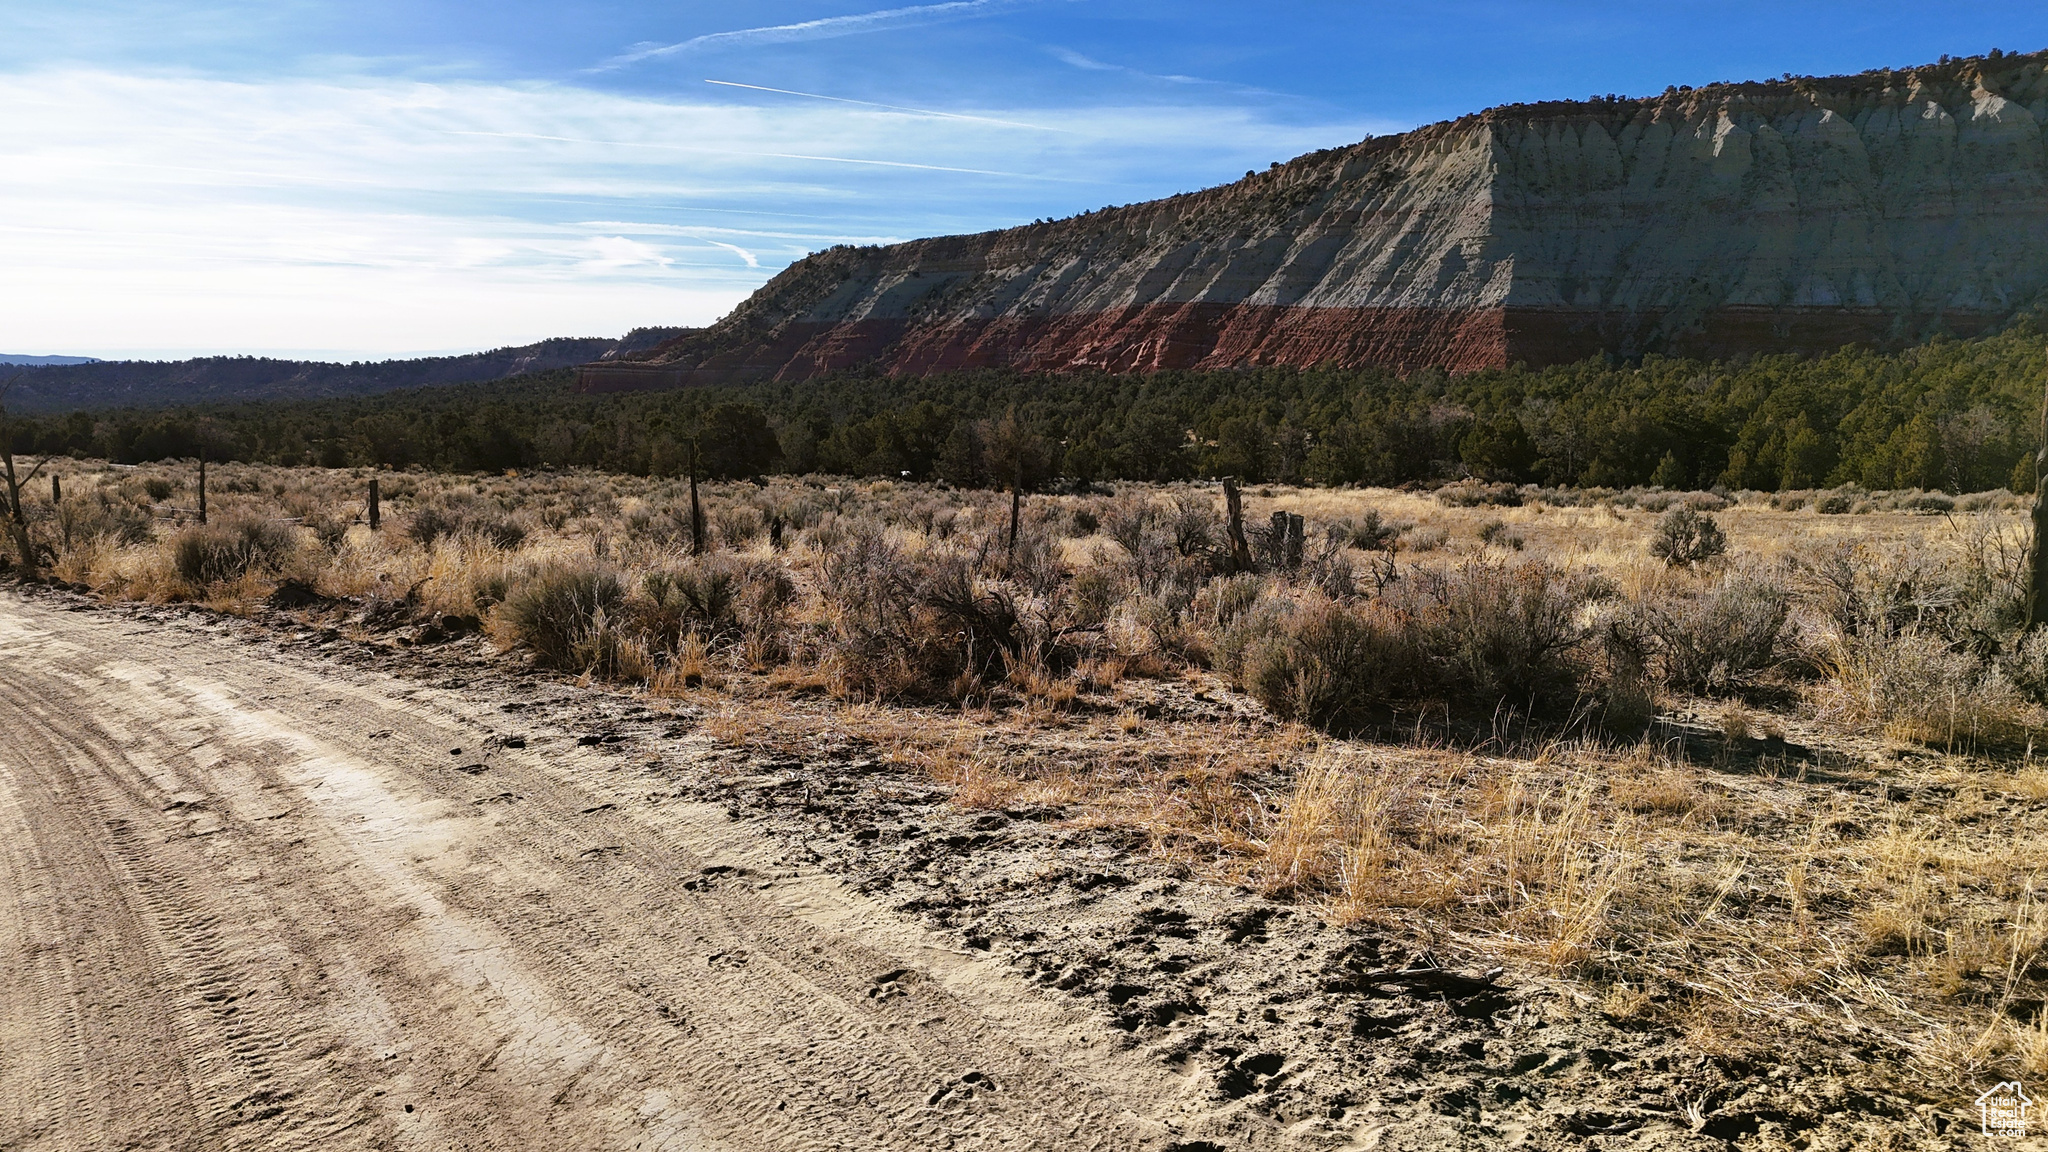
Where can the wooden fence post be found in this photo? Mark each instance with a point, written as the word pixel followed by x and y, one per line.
pixel 696 509
pixel 376 510
pixel 1016 509
pixel 1233 503
pixel 202 489
pixel 2037 554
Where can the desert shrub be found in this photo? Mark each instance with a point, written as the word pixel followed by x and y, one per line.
pixel 1685 537
pixel 738 525
pixel 1156 567
pixel 1239 612
pixel 231 549
pixel 450 518
pixel 1469 494
pixel 1504 633
pixel 981 618
pixel 433 522
pixel 499 531
pixel 826 534
pixel 695 596
pixel 716 598
pixel 1094 594
pixel 1929 503
pixel 97 516
pixel 1721 640
pixel 1332 666
pixel 879 642
pixel 2026 665
pixel 1915 687
pixel 568 613
pixel 1193 524
pixel 1473 637
pixel 1498 534
pixel 1834 504
pixel 1426 539
pixel 1034 562
pixel 1330 571
pixel 1086 522
pixel 1369 532
pixel 1128 520
pixel 158 488
pixel 1224 600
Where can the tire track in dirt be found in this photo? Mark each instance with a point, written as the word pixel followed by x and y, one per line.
pixel 323 932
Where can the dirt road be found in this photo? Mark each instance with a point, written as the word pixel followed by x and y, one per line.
pixel 251 898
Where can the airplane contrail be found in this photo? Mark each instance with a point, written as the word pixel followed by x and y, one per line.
pixel 824 29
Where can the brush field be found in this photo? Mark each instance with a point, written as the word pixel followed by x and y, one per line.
pixel 1739 790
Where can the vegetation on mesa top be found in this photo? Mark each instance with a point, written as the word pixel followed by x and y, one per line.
pixel 1956 415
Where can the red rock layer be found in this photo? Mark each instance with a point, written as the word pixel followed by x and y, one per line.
pixel 1158 337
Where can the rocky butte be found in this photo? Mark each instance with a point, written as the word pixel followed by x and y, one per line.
pixel 1792 215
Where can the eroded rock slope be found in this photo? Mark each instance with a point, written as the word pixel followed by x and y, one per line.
pixel 1787 215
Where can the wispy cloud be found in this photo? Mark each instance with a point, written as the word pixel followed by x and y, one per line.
pixel 736 250
pixel 153 215
pixel 667 147
pixel 1090 64
pixel 889 107
pixel 823 29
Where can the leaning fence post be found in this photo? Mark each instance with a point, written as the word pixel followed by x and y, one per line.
pixel 202 489
pixel 56 489
pixel 376 512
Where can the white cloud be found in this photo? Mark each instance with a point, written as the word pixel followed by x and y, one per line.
pixel 742 253
pixel 168 216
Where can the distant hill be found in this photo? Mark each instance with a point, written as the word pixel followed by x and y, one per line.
pixel 1793 215
pixel 64 384
pixel 14 358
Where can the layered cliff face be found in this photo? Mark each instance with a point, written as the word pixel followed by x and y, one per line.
pixel 1797 215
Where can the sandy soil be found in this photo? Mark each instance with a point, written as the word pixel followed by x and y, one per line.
pixel 251 900
pixel 264 887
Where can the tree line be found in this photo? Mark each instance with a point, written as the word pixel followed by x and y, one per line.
pixel 1959 415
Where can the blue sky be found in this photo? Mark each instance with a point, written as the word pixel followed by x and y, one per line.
pixel 368 179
